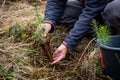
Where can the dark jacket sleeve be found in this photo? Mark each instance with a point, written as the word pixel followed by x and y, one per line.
pixel 54 9
pixel 92 8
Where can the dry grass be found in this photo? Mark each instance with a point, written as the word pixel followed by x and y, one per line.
pixel 23 59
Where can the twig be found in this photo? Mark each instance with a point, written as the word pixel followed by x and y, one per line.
pixel 79 60
pixel 3 3
pixel 3 51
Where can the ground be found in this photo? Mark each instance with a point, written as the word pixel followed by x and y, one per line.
pixel 21 57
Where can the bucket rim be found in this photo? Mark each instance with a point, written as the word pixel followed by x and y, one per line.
pixel 108 47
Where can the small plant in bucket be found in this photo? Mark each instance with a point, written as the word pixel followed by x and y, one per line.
pixel 38 36
pixel 109 51
pixel 102 32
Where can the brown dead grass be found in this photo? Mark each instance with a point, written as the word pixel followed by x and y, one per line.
pixel 20 12
pixel 25 60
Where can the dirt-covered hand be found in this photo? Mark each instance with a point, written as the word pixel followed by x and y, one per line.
pixel 59 54
pixel 46 27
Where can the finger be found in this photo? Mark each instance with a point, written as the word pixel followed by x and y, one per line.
pixel 59 58
pixel 45 32
pixel 56 61
pixel 56 54
pixel 54 58
pixel 40 27
pixel 44 35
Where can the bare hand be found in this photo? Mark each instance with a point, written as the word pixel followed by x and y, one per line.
pixel 46 27
pixel 59 54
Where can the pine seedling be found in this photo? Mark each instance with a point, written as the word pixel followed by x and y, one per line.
pixel 39 32
pixel 37 13
pixel 102 32
pixel 38 35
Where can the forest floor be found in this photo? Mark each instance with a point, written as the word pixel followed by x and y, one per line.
pixel 21 57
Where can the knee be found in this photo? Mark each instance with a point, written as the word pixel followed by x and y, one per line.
pixel 112 13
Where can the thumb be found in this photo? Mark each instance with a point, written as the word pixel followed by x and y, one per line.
pixel 44 35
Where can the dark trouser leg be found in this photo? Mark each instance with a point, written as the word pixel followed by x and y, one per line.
pixel 71 13
pixel 112 16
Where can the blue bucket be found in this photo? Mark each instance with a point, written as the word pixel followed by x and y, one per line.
pixel 110 56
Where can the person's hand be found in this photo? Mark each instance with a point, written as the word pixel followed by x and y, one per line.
pixel 59 54
pixel 46 27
